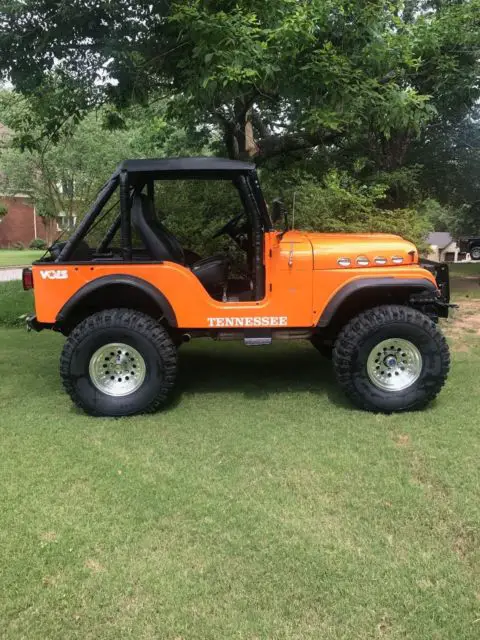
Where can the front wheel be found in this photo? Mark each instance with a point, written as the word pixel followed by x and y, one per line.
pixel 391 358
pixel 119 362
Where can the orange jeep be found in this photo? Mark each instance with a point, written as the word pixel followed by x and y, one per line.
pixel 127 303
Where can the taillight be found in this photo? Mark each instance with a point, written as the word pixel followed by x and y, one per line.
pixel 27 279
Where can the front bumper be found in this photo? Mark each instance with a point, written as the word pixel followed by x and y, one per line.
pixel 441 302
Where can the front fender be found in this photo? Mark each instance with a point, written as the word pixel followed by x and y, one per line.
pixel 368 286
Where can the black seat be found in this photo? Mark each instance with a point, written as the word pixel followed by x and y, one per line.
pixel 161 244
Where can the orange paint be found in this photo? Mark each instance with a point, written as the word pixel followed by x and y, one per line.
pixel 302 275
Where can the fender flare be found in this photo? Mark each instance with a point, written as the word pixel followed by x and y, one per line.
pixel 412 284
pixel 113 280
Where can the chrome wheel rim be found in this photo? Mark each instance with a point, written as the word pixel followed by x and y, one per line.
pixel 394 365
pixel 117 369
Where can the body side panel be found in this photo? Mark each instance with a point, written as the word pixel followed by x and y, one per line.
pixel 190 302
pixel 295 292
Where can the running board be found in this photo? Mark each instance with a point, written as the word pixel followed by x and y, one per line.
pixel 260 337
pixel 257 342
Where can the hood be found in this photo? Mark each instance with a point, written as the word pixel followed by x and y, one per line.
pixel 329 248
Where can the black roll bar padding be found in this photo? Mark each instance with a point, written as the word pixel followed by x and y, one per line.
pixel 125 223
pixel 80 232
pixel 258 238
pixel 261 204
pixel 250 203
pixel 151 191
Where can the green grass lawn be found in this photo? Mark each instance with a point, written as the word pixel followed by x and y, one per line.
pixel 465 268
pixel 259 505
pixel 11 257
pixel 14 304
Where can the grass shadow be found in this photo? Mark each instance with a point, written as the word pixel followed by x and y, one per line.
pixel 206 367
pixel 256 372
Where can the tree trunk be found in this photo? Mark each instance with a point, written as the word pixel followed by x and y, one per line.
pixel 250 145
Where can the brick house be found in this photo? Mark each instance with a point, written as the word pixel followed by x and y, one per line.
pixel 22 224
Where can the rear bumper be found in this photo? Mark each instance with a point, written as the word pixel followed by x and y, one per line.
pixel 34 325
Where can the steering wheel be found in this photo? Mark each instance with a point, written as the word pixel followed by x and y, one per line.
pixel 230 227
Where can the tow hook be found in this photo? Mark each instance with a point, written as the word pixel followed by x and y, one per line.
pixel 33 324
pixel 450 305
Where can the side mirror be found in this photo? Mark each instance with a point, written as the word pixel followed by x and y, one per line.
pixel 279 210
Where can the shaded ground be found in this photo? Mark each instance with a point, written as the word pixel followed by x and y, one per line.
pixel 466 285
pixel 465 321
pixel 465 279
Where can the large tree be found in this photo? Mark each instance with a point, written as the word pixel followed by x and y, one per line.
pixel 345 96
pixel 273 77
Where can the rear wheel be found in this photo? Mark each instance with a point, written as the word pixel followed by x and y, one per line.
pixel 475 252
pixel 119 362
pixel 391 358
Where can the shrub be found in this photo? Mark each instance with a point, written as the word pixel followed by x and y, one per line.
pixel 19 246
pixel 37 243
pixel 340 203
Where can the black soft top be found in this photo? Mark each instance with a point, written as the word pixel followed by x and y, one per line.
pixel 175 168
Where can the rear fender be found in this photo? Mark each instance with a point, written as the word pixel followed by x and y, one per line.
pixel 116 291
